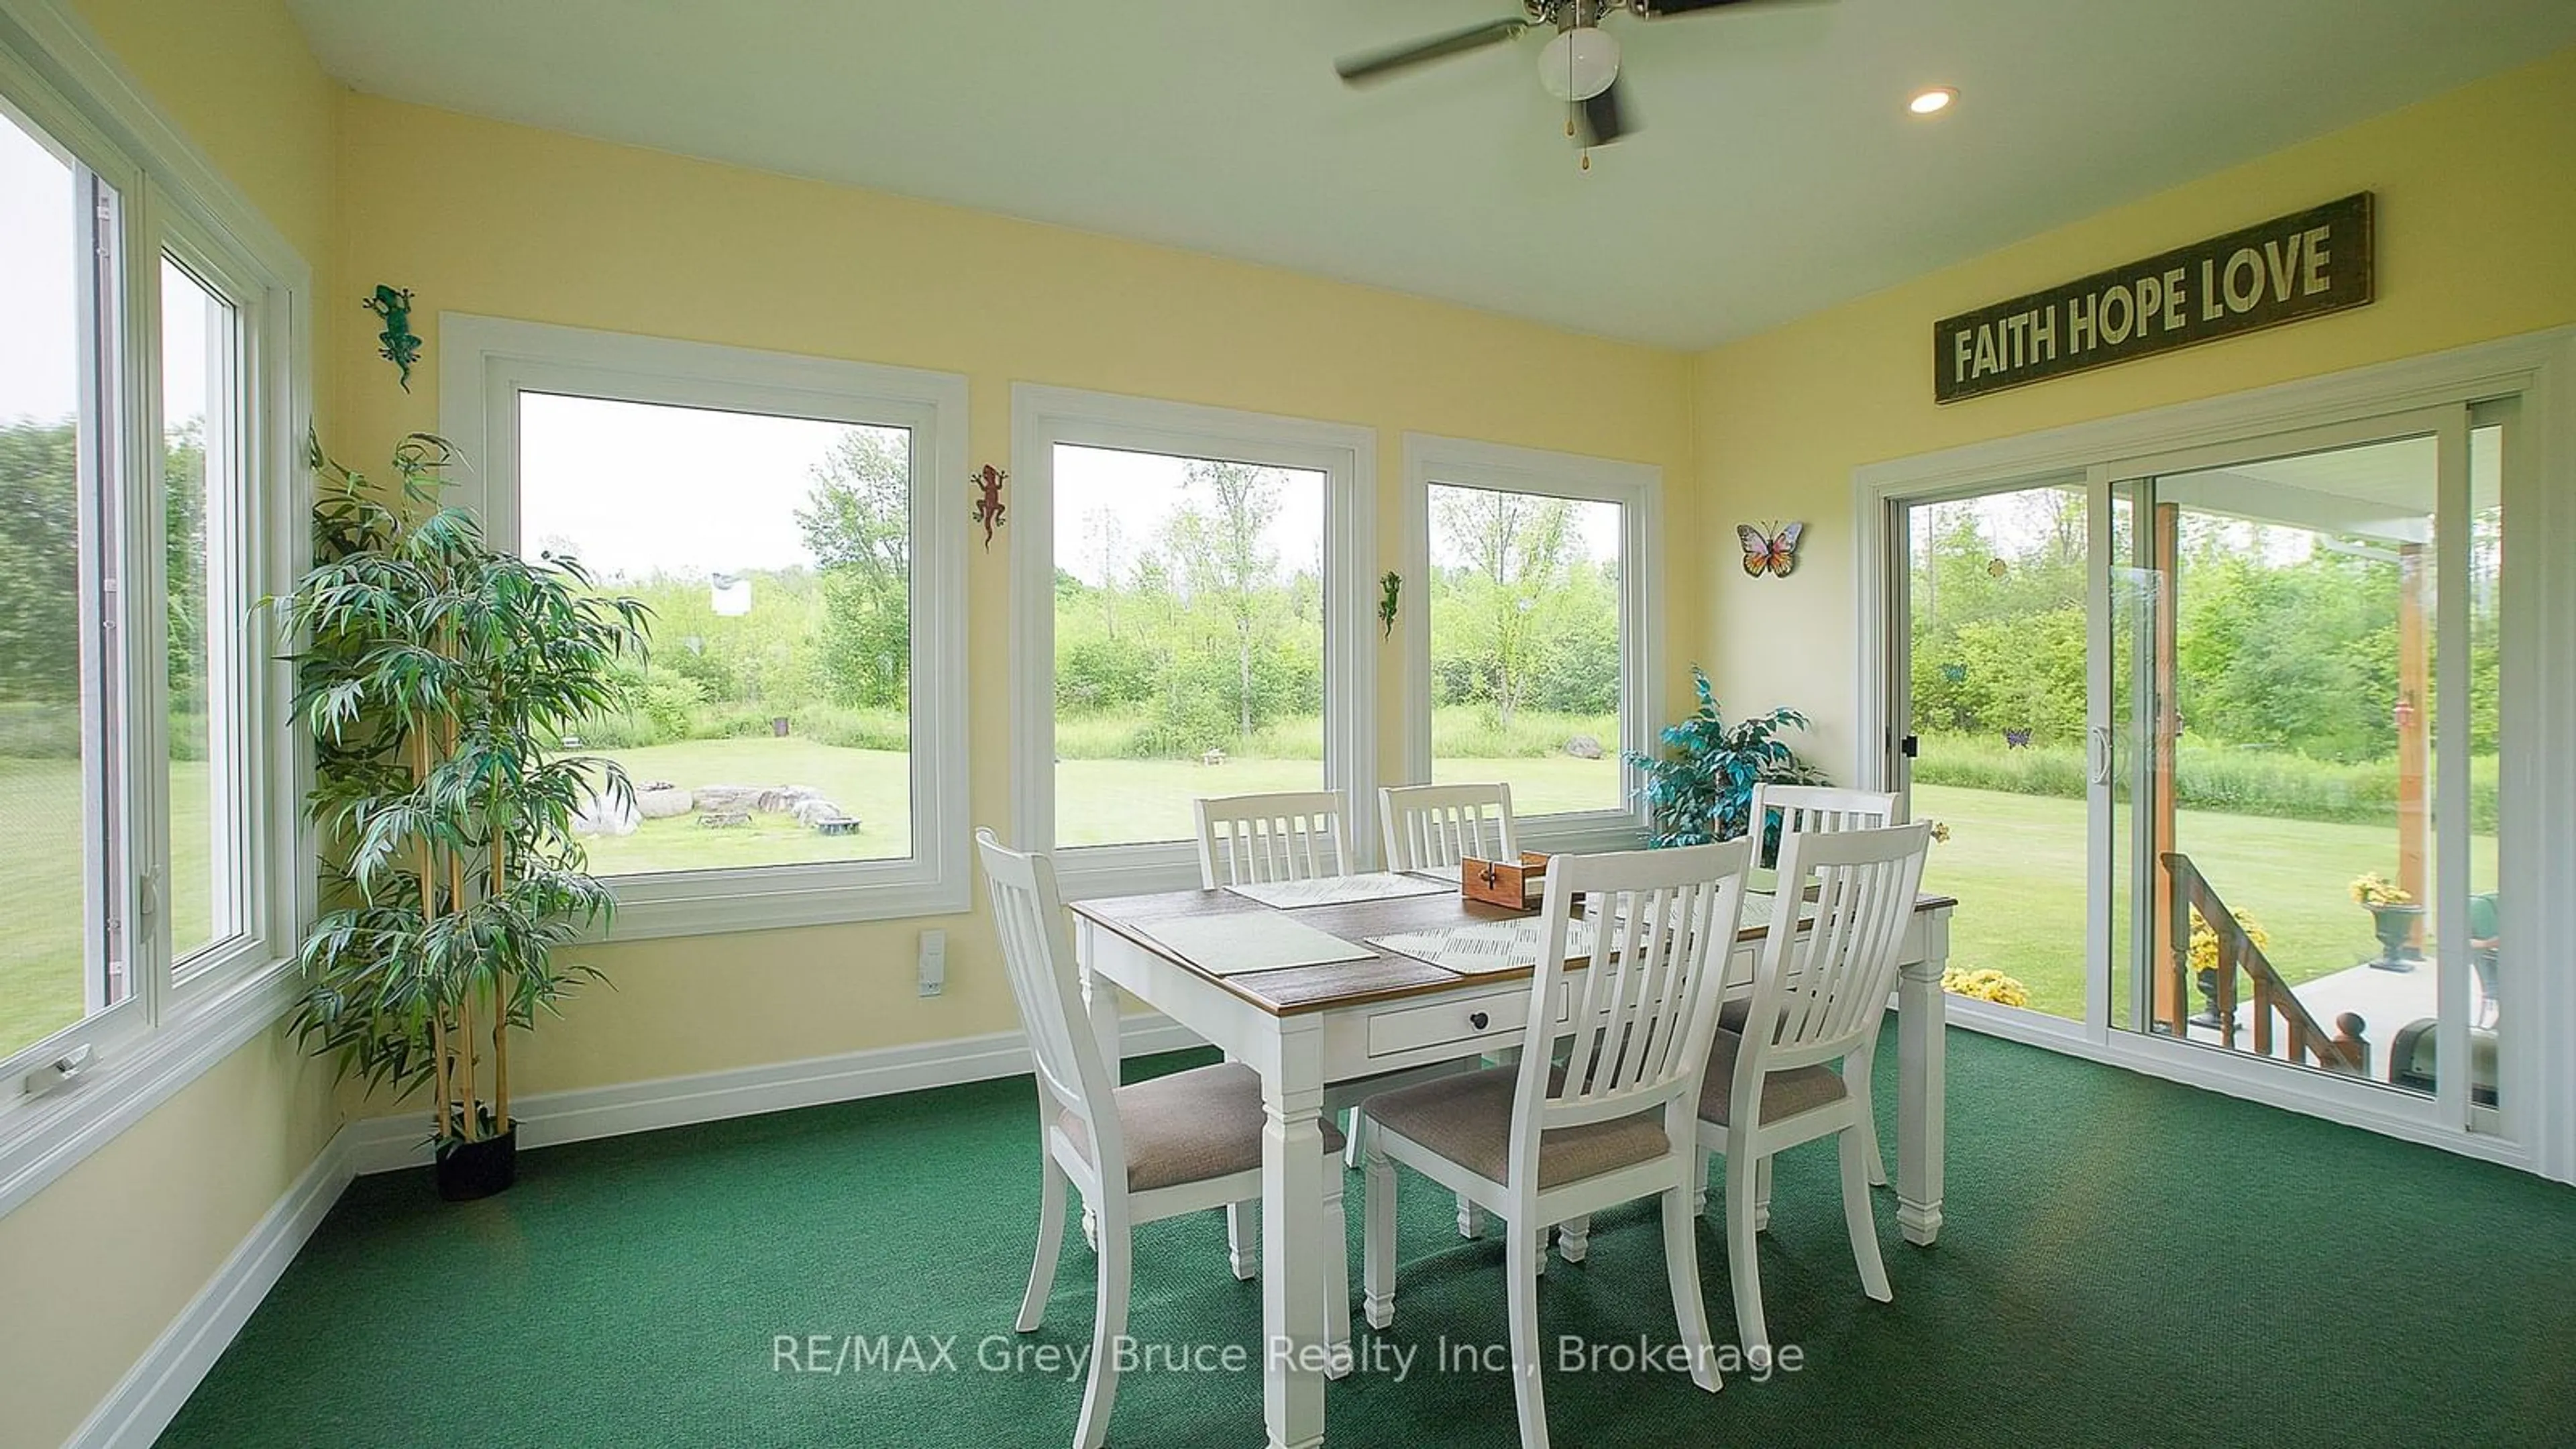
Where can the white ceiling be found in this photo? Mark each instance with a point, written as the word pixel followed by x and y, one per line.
pixel 1776 171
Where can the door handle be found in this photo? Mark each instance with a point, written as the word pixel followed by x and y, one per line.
pixel 2097 742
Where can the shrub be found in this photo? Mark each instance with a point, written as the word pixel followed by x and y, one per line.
pixel 41 731
pixel 2232 779
pixel 1471 732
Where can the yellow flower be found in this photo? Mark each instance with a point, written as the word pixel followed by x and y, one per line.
pixel 2374 889
pixel 1985 984
pixel 2204 939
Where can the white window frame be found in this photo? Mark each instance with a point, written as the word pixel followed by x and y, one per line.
pixel 1042 418
pixel 170 1028
pixel 487 362
pixel 1638 489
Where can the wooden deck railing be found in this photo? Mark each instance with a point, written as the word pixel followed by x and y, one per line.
pixel 2344 1049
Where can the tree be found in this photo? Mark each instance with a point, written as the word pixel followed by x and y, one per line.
pixel 1517 550
pixel 183 519
pixel 39 563
pixel 1102 526
pixel 1221 549
pixel 857 521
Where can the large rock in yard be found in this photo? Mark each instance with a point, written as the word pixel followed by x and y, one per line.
pixel 1583 747
pixel 663 803
pixel 784 799
pixel 727 798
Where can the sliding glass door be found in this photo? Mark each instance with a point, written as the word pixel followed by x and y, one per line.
pixel 2214 734
pixel 1994 680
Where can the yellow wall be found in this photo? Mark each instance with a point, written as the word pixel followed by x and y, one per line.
pixel 102 1260
pixel 98 1263
pixel 478 216
pixel 2477 201
pixel 2476 198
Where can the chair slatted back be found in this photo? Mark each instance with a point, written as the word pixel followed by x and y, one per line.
pixel 1663 924
pixel 1430 827
pixel 1819 994
pixel 1256 839
pixel 1028 915
pixel 1805 808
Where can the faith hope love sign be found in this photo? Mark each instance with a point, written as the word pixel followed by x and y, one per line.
pixel 2285 270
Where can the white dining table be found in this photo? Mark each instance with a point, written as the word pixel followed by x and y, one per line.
pixel 1307 1027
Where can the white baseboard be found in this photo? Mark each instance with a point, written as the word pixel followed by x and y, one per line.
pixel 384 1144
pixel 150 1395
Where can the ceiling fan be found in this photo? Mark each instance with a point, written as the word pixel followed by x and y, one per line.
pixel 1579 67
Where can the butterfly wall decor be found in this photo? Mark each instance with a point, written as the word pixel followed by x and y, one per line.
pixel 2017 739
pixel 1774 553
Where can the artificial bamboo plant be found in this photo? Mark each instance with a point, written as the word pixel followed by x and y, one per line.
pixel 433 673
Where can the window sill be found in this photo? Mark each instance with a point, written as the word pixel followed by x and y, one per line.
pixel 764 899
pixel 1588 833
pixel 45 1137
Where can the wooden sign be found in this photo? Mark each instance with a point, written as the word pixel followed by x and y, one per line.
pixel 2285 270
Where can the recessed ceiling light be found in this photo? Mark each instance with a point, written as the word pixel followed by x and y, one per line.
pixel 1933 101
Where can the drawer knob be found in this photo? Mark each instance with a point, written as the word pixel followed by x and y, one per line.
pixel 1477 1019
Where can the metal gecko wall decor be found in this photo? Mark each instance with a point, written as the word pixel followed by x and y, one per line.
pixel 395 344
pixel 1393 584
pixel 989 508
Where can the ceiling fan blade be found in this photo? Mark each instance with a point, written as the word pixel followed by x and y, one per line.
pixel 1604 119
pixel 1660 9
pixel 1369 65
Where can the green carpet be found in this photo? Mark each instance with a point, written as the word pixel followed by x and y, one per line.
pixel 2126 1262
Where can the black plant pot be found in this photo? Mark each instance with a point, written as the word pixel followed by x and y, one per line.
pixel 2207 980
pixel 2395 927
pixel 469 1170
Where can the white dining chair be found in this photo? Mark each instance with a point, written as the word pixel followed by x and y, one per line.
pixel 1816 808
pixel 1818 996
pixel 1280 836
pixel 1538 1143
pixel 1431 827
pixel 1174 1144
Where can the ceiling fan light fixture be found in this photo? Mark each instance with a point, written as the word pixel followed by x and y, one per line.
pixel 1932 102
pixel 1579 63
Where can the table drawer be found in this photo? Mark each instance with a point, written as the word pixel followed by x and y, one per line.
pixel 1463 1018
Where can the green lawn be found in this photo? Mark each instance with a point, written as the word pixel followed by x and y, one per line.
pixel 1097 801
pixel 874 785
pixel 1101 801
pixel 41 895
pixel 2016 863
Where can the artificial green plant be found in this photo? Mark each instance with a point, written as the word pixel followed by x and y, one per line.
pixel 433 672
pixel 1701 788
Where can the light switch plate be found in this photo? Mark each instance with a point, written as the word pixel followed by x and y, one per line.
pixel 934 962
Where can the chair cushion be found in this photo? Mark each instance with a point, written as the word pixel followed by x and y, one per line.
pixel 1190 1126
pixel 1784 1094
pixel 1467 1119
